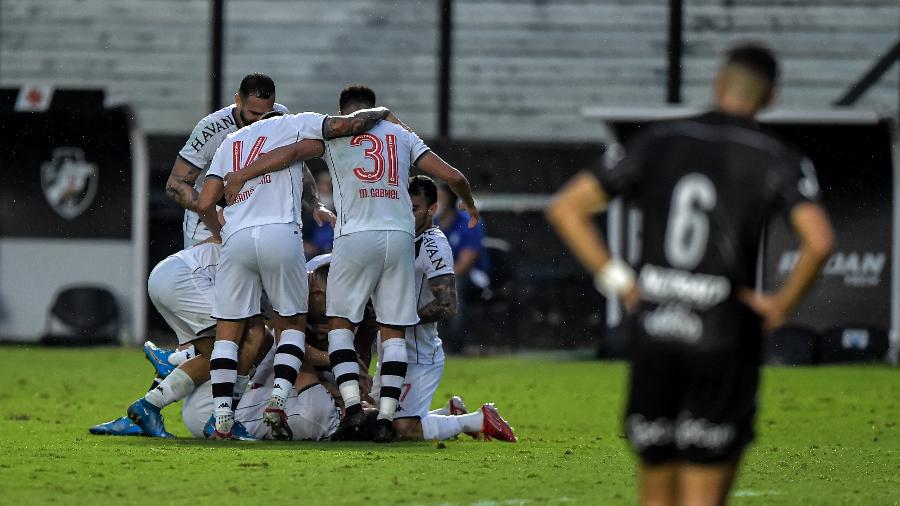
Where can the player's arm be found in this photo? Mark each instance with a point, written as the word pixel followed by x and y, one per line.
pixel 275 160
pixel 570 213
pixel 811 224
pixel 353 124
pixel 180 185
pixel 212 191
pixel 316 357
pixel 311 202
pixel 445 304
pixel 433 165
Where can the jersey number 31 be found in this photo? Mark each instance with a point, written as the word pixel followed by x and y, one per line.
pixel 374 153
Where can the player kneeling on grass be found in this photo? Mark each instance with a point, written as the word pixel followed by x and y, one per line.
pixel 180 288
pixel 425 354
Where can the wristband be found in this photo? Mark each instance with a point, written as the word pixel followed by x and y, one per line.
pixel 614 279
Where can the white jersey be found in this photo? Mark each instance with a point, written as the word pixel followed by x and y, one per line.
pixel 198 151
pixel 433 258
pixel 370 174
pixel 274 197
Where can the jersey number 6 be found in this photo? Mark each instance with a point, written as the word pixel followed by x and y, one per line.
pixel 374 154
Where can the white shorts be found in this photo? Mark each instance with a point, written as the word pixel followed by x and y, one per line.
pixel 312 414
pixel 419 386
pixel 376 264
pixel 266 257
pixel 183 298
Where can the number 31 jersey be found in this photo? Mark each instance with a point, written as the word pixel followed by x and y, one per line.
pixel 370 175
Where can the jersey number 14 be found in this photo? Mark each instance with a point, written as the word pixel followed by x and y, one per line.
pixel 374 153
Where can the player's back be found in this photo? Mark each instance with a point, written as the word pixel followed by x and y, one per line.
pixel 706 188
pixel 274 197
pixel 370 173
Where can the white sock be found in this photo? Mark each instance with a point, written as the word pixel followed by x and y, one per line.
pixel 472 422
pixel 439 427
pixel 182 356
pixel 175 387
pixel 392 372
pixel 343 365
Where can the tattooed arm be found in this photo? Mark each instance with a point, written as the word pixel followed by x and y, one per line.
pixel 180 185
pixel 445 304
pixel 353 124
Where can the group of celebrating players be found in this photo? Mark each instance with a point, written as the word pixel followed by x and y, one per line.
pixel 274 347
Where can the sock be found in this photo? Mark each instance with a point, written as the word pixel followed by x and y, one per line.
pixel 440 411
pixel 440 427
pixel 472 422
pixel 344 366
pixel 288 359
pixel 223 373
pixel 240 387
pixel 156 381
pixel 175 387
pixel 182 356
pixel 393 371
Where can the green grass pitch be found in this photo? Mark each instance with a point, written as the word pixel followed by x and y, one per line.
pixel 825 436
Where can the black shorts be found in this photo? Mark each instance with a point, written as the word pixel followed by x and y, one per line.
pixel 691 406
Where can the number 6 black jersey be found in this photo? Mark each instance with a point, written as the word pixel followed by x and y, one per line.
pixel 706 187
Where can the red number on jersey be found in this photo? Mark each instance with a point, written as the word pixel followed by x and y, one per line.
pixel 374 153
pixel 238 146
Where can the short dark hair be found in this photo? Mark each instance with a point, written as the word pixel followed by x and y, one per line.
pixel 257 85
pixel 357 94
pixel 423 185
pixel 757 58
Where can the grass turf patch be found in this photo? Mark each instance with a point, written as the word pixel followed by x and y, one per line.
pixel 825 436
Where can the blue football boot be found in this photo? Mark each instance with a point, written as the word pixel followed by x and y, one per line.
pixel 149 418
pixel 119 427
pixel 159 357
pixel 238 431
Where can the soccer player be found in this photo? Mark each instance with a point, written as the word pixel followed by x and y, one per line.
pixel 373 246
pixel 262 249
pixel 706 187
pixel 181 289
pixel 254 98
pixel 436 301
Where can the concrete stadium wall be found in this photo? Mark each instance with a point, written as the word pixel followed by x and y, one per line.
pixel 521 69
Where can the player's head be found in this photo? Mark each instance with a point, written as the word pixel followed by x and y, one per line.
pixel 447 200
pixel 423 194
pixel 356 97
pixel 746 81
pixel 255 97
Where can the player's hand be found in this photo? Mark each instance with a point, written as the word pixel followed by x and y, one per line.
pixel 394 119
pixel 322 214
pixel 473 214
pixel 767 306
pixel 632 299
pixel 234 183
pixel 214 239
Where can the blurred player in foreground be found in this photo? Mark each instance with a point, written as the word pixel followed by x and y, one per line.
pixel 706 187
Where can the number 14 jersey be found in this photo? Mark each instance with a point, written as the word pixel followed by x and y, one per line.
pixel 370 175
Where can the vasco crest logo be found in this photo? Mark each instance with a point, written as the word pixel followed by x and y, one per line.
pixel 69 182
